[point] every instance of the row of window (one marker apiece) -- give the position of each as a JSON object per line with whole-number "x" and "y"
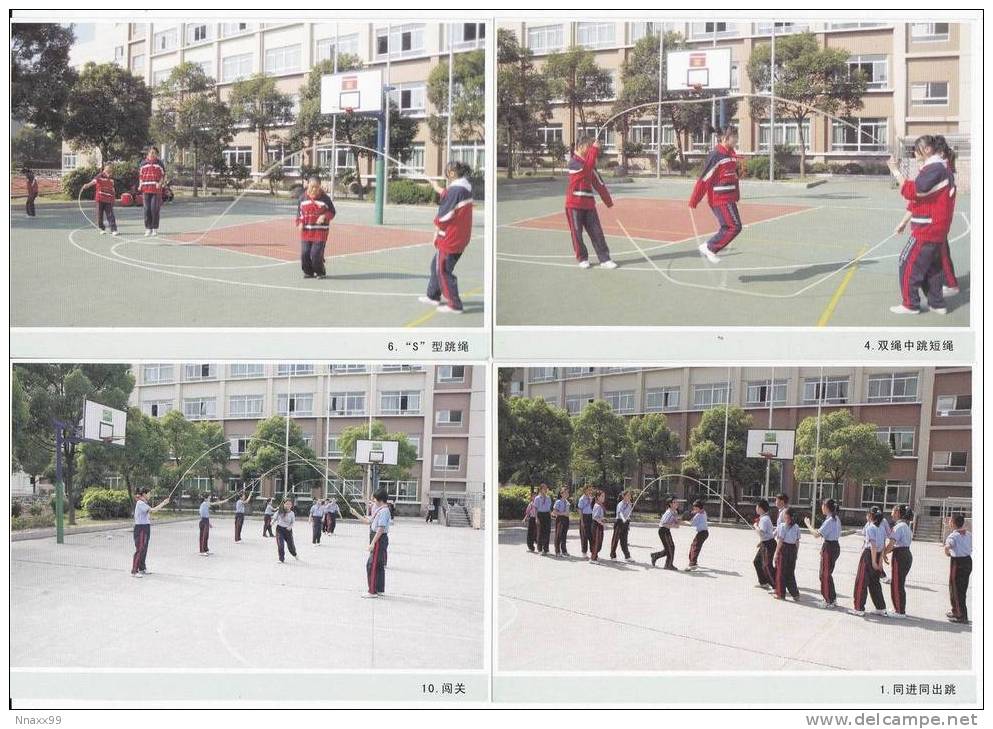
{"x": 157, "y": 374}
{"x": 400, "y": 492}
{"x": 413, "y": 162}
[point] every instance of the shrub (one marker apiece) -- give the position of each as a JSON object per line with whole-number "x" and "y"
{"x": 478, "y": 181}
{"x": 18, "y": 523}
{"x": 15, "y": 509}
{"x": 36, "y": 509}
{"x": 410, "y": 192}
{"x": 758, "y": 167}
{"x": 106, "y": 503}
{"x": 125, "y": 177}
{"x": 818, "y": 168}
{"x": 513, "y": 500}
{"x": 846, "y": 168}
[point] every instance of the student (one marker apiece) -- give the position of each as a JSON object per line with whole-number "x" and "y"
{"x": 585, "y": 508}
{"x": 453, "y": 231}
{"x": 560, "y": 512}
{"x": 315, "y": 211}
{"x": 958, "y": 547}
{"x": 951, "y": 281}
{"x": 267, "y": 519}
{"x": 429, "y": 513}
{"x": 870, "y": 565}
{"x": 239, "y": 516}
{"x": 284, "y": 531}
{"x": 142, "y": 531}
{"x": 766, "y": 552}
{"x": 580, "y": 205}
{"x": 830, "y": 532}
{"x": 719, "y": 182}
{"x": 151, "y": 175}
{"x": 782, "y": 504}
{"x": 898, "y": 544}
{"x": 31, "y": 183}
{"x": 531, "y": 519}
{"x": 669, "y": 521}
{"x": 205, "y": 525}
{"x": 784, "y": 560}
{"x": 379, "y": 542}
{"x": 332, "y": 514}
{"x": 599, "y": 518}
{"x": 105, "y": 197}
{"x": 316, "y": 519}
{"x": 622, "y": 523}
{"x": 699, "y": 522}
{"x": 931, "y": 208}
{"x": 543, "y": 508}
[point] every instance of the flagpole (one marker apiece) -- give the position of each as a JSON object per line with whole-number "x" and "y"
{"x": 724, "y": 455}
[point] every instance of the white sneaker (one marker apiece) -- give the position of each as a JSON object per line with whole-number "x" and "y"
{"x": 148, "y": 232}
{"x": 137, "y": 574}
{"x": 898, "y": 616}
{"x": 949, "y": 290}
{"x": 154, "y": 233}
{"x": 824, "y": 605}
{"x": 115, "y": 234}
{"x": 901, "y": 309}
{"x": 296, "y": 558}
{"x": 446, "y": 309}
{"x": 608, "y": 264}
{"x": 370, "y": 595}
{"x": 691, "y": 568}
{"x": 881, "y": 613}
{"x": 858, "y": 613}
{"x": 428, "y": 300}
{"x": 103, "y": 232}
{"x": 584, "y": 264}
{"x": 708, "y": 254}
{"x": 939, "y": 310}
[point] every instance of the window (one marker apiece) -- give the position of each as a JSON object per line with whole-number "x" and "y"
{"x": 207, "y": 67}
{"x": 415, "y": 441}
{"x": 285, "y": 59}
{"x": 592, "y": 130}
{"x": 709, "y": 395}
{"x": 900, "y": 439}
{"x": 644, "y": 132}
{"x": 69, "y": 160}
{"x": 832, "y": 390}
{"x": 551, "y": 401}
{"x": 825, "y": 490}
{"x": 197, "y": 33}
{"x": 710, "y": 30}
{"x": 574, "y": 404}
{"x": 470, "y": 153}
{"x": 400, "y": 41}
{"x": 897, "y": 387}
{"x": 165, "y": 40}
{"x": 400, "y": 402}
{"x": 758, "y": 393}
{"x": 929, "y": 32}
{"x": 661, "y": 398}
{"x": 885, "y": 495}
{"x": 156, "y": 373}
{"x": 348, "y": 369}
{"x": 853, "y": 26}
{"x": 780, "y": 28}
{"x": 239, "y": 444}
{"x": 333, "y": 447}
{"x": 246, "y": 370}
{"x": 235, "y": 68}
{"x": 200, "y": 408}
{"x": 550, "y": 135}
{"x": 245, "y": 406}
{"x": 198, "y": 484}
{"x": 447, "y": 462}
{"x": 238, "y": 156}
{"x": 954, "y": 406}
{"x": 400, "y": 368}
{"x": 735, "y": 76}
{"x": 295, "y": 370}
{"x": 787, "y": 132}
{"x": 301, "y": 404}
{"x": 283, "y": 154}
{"x": 572, "y": 372}
{"x": 545, "y": 38}
{"x": 541, "y": 374}
{"x": 327, "y": 160}
{"x": 138, "y": 64}
{"x": 468, "y": 35}
{"x": 516, "y": 388}
{"x": 401, "y": 492}
{"x": 955, "y": 461}
{"x": 159, "y": 76}
{"x": 346, "y": 44}
{"x": 156, "y": 408}
{"x": 595, "y": 35}
{"x": 235, "y": 484}
{"x": 874, "y": 67}
{"x": 930, "y": 93}
{"x": 451, "y": 373}
{"x": 118, "y": 54}
{"x": 413, "y": 161}
{"x": 859, "y": 135}
{"x": 346, "y": 403}
{"x": 620, "y": 401}
{"x": 198, "y": 371}
{"x": 448, "y": 417}
{"x": 230, "y": 29}
{"x": 637, "y": 31}
{"x": 138, "y": 31}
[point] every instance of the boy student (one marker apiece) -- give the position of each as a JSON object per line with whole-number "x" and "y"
{"x": 787, "y": 547}
{"x": 958, "y": 547}
{"x": 719, "y": 182}
{"x": 585, "y": 508}
{"x": 204, "y": 525}
{"x": 332, "y": 515}
{"x": 669, "y": 520}
{"x": 105, "y": 196}
{"x": 560, "y": 512}
{"x": 782, "y": 504}
{"x": 699, "y": 522}
{"x": 315, "y": 211}
{"x": 142, "y": 531}
{"x": 151, "y": 177}
{"x": 316, "y": 520}
{"x": 765, "y": 554}
{"x": 580, "y": 204}
{"x": 453, "y": 231}
{"x": 543, "y": 508}
{"x": 622, "y": 523}
{"x": 267, "y": 519}
{"x": 379, "y": 527}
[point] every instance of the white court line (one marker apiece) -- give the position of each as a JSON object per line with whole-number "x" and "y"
{"x": 624, "y": 267}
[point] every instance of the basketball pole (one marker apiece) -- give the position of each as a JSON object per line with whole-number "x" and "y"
{"x": 772, "y": 397}
{"x": 59, "y": 484}
{"x": 772, "y": 106}
{"x": 381, "y": 164}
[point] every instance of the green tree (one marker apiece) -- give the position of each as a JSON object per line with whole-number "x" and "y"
{"x": 267, "y": 452}
{"x": 40, "y": 74}
{"x": 34, "y": 147}
{"x": 406, "y": 452}
{"x": 310, "y": 124}
{"x": 109, "y": 109}
{"x": 849, "y": 451}
{"x": 259, "y": 105}
{"x": 196, "y": 448}
{"x": 706, "y": 455}
{"x": 575, "y": 77}
{"x": 535, "y": 439}
{"x": 655, "y": 447}
{"x": 523, "y": 100}
{"x": 808, "y": 77}
{"x": 29, "y": 451}
{"x": 601, "y": 447}
{"x": 468, "y": 102}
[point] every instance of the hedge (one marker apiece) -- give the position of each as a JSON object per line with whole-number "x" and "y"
{"x": 759, "y": 167}
{"x": 106, "y": 503}
{"x": 410, "y": 192}
{"x": 125, "y": 179}
{"x": 512, "y": 501}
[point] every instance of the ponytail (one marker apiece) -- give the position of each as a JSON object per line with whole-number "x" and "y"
{"x": 832, "y": 506}
{"x": 943, "y": 150}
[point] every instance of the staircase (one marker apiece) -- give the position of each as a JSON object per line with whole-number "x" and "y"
{"x": 457, "y": 515}
{"x": 931, "y": 521}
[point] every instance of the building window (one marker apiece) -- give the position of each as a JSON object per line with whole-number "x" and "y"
{"x": 138, "y": 64}
{"x": 541, "y": 374}
{"x": 955, "y": 461}
{"x": 156, "y": 408}
{"x": 415, "y": 442}
{"x": 825, "y": 490}
{"x": 238, "y": 156}
{"x": 545, "y": 38}
{"x": 573, "y": 372}
{"x": 896, "y": 387}
{"x": 235, "y": 68}
{"x": 296, "y": 370}
{"x": 596, "y": 35}
{"x": 193, "y": 372}
{"x": 900, "y": 439}
{"x": 346, "y": 403}
{"x": 875, "y": 68}
{"x": 348, "y": 369}
{"x": 853, "y": 26}
{"x": 246, "y": 370}
{"x": 621, "y": 401}
{"x": 574, "y": 404}
{"x": 859, "y": 135}
{"x": 735, "y": 76}
{"x": 592, "y": 130}
{"x": 400, "y": 368}
{"x": 138, "y": 31}
{"x": 710, "y": 30}
{"x": 200, "y": 408}
{"x": 118, "y": 54}
{"x": 830, "y": 390}
{"x": 954, "y": 406}
{"x": 661, "y": 398}
{"x": 69, "y": 160}
{"x": 468, "y": 35}
{"x": 929, "y": 32}
{"x": 347, "y": 44}
{"x": 245, "y": 406}
{"x": 447, "y": 462}
{"x": 470, "y": 153}
{"x": 285, "y": 59}
{"x": 230, "y": 29}
{"x": 637, "y": 31}
{"x": 886, "y": 495}
{"x": 758, "y": 393}
{"x": 198, "y": 484}
{"x": 333, "y": 447}
{"x": 710, "y": 395}
{"x": 165, "y": 40}
{"x": 400, "y": 41}
{"x": 787, "y": 132}
{"x": 551, "y": 401}
{"x": 207, "y": 67}
{"x": 451, "y": 373}
{"x": 780, "y": 28}
{"x": 154, "y": 374}
{"x": 283, "y": 155}
{"x": 412, "y": 162}
{"x": 239, "y": 444}
{"x": 401, "y": 492}
{"x": 550, "y": 135}
{"x": 448, "y": 417}
{"x": 197, "y": 33}
{"x": 930, "y": 93}
{"x": 327, "y": 160}
{"x": 297, "y": 404}
{"x": 159, "y": 77}
{"x": 400, "y": 402}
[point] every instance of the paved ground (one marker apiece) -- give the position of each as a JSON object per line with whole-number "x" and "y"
{"x": 77, "y": 605}
{"x": 632, "y": 617}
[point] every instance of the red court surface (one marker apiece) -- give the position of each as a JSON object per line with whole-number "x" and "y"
{"x": 660, "y": 220}
{"x": 46, "y": 185}
{"x": 278, "y": 238}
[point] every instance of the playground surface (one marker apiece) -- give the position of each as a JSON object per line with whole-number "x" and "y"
{"x": 76, "y": 605}
{"x": 231, "y": 263}
{"x": 629, "y": 616}
{"x": 825, "y": 255}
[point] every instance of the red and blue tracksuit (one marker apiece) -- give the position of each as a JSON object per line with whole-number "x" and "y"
{"x": 151, "y": 180}
{"x": 931, "y": 202}
{"x": 105, "y": 195}
{"x": 314, "y": 216}
{"x": 580, "y": 204}
{"x": 453, "y": 230}
{"x": 719, "y": 182}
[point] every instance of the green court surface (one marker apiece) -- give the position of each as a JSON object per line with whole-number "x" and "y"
{"x": 218, "y": 263}
{"x": 825, "y": 255}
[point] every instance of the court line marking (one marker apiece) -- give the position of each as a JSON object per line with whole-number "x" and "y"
{"x": 838, "y": 293}
{"x": 434, "y": 311}
{"x": 784, "y": 267}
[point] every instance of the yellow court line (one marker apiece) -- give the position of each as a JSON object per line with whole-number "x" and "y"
{"x": 840, "y": 291}
{"x": 434, "y": 311}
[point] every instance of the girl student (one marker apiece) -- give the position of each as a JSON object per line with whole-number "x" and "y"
{"x": 453, "y": 231}
{"x": 622, "y": 523}
{"x": 766, "y": 552}
{"x": 543, "y": 509}
{"x": 267, "y": 519}
{"x": 719, "y": 182}
{"x": 669, "y": 521}
{"x": 332, "y": 515}
{"x": 560, "y": 512}
{"x": 31, "y": 184}
{"x": 599, "y": 522}
{"x": 239, "y": 515}
{"x": 142, "y": 531}
{"x": 379, "y": 519}
{"x": 699, "y": 522}
{"x": 284, "y": 531}
{"x": 105, "y": 196}
{"x": 898, "y": 544}
{"x": 580, "y": 204}
{"x": 931, "y": 207}
{"x": 787, "y": 548}
{"x": 958, "y": 547}
{"x": 585, "y": 508}
{"x": 316, "y": 521}
{"x": 830, "y": 532}
{"x": 870, "y": 565}
{"x": 151, "y": 182}
{"x": 531, "y": 519}
{"x": 315, "y": 211}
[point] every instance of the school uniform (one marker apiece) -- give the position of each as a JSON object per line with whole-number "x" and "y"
{"x": 314, "y": 216}
{"x": 766, "y": 551}
{"x": 453, "y": 231}
{"x": 719, "y": 182}
{"x": 531, "y": 519}
{"x": 668, "y": 522}
{"x": 887, "y": 530}
{"x": 376, "y": 564}
{"x": 596, "y": 539}
{"x": 105, "y": 195}
{"x": 151, "y": 180}
{"x": 580, "y": 205}
{"x": 959, "y": 544}
{"x": 901, "y": 560}
{"x": 543, "y": 508}
{"x": 789, "y": 536}
{"x": 561, "y": 526}
{"x": 204, "y": 527}
{"x": 239, "y": 518}
{"x": 316, "y": 519}
{"x": 142, "y": 533}
{"x": 830, "y": 531}
{"x": 699, "y": 522}
{"x": 284, "y": 533}
{"x": 585, "y": 508}
{"x": 32, "y": 185}
{"x": 332, "y": 516}
{"x": 622, "y": 523}
{"x": 267, "y": 521}
{"x": 931, "y": 203}
{"x": 867, "y": 577}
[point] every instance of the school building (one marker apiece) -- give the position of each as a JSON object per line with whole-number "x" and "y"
{"x": 286, "y": 51}
{"x": 440, "y": 408}
{"x": 923, "y": 413}
{"x": 919, "y": 81}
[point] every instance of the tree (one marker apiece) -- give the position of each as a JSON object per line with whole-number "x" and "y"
{"x": 40, "y": 74}
{"x": 266, "y": 453}
{"x": 809, "y": 79}
{"x": 849, "y": 450}
{"x": 655, "y": 446}
{"x": 601, "y": 448}
{"x": 706, "y": 455}
{"x": 27, "y": 454}
{"x": 575, "y": 77}
{"x": 523, "y": 99}
{"x": 109, "y": 108}
{"x": 310, "y": 124}
{"x": 534, "y": 442}
{"x": 33, "y": 147}
{"x": 196, "y": 448}
{"x": 56, "y": 392}
{"x": 406, "y": 452}
{"x": 468, "y": 102}
{"x": 259, "y": 105}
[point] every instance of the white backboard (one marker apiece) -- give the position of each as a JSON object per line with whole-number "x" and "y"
{"x": 706, "y": 67}
{"x": 776, "y": 443}
{"x": 360, "y": 91}
{"x": 384, "y": 452}
{"x": 104, "y": 424}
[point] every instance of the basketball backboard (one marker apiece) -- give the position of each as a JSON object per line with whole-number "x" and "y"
{"x": 382, "y": 452}
{"x": 777, "y": 444}
{"x": 359, "y": 92}
{"x": 706, "y": 68}
{"x": 103, "y": 424}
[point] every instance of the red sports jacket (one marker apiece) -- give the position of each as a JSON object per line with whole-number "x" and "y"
{"x": 453, "y": 223}
{"x": 309, "y": 211}
{"x": 583, "y": 180}
{"x": 105, "y": 192}
{"x": 719, "y": 179}
{"x": 931, "y": 201}
{"x": 151, "y": 175}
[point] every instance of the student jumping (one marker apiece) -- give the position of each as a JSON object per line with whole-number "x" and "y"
{"x": 870, "y": 565}
{"x": 787, "y": 548}
{"x": 699, "y": 522}
{"x": 669, "y": 521}
{"x": 105, "y": 196}
{"x": 151, "y": 177}
{"x": 766, "y": 552}
{"x": 585, "y": 508}
{"x": 315, "y": 211}
{"x": 898, "y": 544}
{"x": 543, "y": 508}
{"x": 599, "y": 519}
{"x": 830, "y": 532}
{"x": 453, "y": 231}
{"x": 267, "y": 519}
{"x": 958, "y": 548}
{"x": 580, "y": 204}
{"x": 284, "y": 531}
{"x": 560, "y": 513}
{"x": 719, "y": 182}
{"x": 622, "y": 524}
{"x": 379, "y": 520}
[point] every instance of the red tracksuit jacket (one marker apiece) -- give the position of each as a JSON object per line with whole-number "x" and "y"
{"x": 453, "y": 222}
{"x": 719, "y": 180}
{"x": 105, "y": 192}
{"x": 308, "y": 211}
{"x": 151, "y": 175}
{"x": 931, "y": 201}
{"x": 583, "y": 180}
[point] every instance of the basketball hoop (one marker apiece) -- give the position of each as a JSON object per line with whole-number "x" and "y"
{"x": 697, "y": 88}
{"x": 349, "y": 111}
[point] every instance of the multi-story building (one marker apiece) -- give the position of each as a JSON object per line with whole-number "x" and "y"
{"x": 440, "y": 408}
{"x": 286, "y": 51}
{"x": 919, "y": 81}
{"x": 923, "y": 413}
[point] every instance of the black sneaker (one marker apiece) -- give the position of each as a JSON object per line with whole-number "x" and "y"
{"x": 654, "y": 559}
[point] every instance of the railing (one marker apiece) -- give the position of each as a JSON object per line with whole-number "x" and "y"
{"x": 928, "y": 525}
